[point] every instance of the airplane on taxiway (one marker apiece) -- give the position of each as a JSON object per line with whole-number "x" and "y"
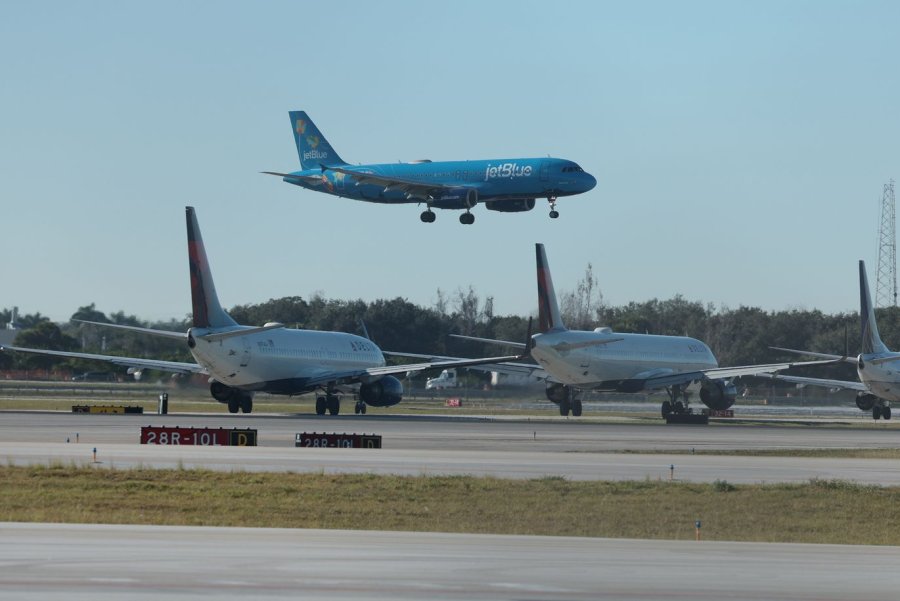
{"x": 878, "y": 368}
{"x": 573, "y": 361}
{"x": 242, "y": 360}
{"x": 505, "y": 185}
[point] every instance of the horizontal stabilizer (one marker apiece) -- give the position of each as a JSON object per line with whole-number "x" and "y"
{"x": 235, "y": 333}
{"x": 150, "y": 331}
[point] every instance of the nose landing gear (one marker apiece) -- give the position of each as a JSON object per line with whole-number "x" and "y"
{"x": 553, "y": 212}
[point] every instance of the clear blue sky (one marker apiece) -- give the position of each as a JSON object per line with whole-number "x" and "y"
{"x": 740, "y": 148}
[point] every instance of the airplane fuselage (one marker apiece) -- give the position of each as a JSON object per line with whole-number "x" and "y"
{"x": 282, "y": 361}
{"x": 631, "y": 359}
{"x": 882, "y": 379}
{"x": 493, "y": 180}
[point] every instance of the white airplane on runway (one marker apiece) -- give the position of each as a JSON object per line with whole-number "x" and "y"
{"x": 604, "y": 360}
{"x": 242, "y": 360}
{"x": 877, "y": 366}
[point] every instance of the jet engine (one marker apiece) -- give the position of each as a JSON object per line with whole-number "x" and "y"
{"x": 717, "y": 394}
{"x": 866, "y": 401}
{"x": 456, "y": 198}
{"x": 382, "y": 393}
{"x": 221, "y": 392}
{"x": 510, "y": 206}
{"x": 557, "y": 393}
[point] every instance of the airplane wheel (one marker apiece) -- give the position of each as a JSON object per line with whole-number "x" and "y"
{"x": 234, "y": 405}
{"x": 427, "y": 217}
{"x": 576, "y": 409}
{"x": 247, "y": 404}
{"x": 876, "y": 412}
{"x": 564, "y": 408}
{"x": 334, "y": 405}
{"x": 678, "y": 407}
{"x": 362, "y": 408}
{"x": 320, "y": 405}
{"x": 666, "y": 408}
{"x": 886, "y": 412}
{"x": 554, "y": 214}
{"x": 467, "y": 218}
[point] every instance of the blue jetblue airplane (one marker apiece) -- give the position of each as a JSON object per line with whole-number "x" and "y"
{"x": 505, "y": 185}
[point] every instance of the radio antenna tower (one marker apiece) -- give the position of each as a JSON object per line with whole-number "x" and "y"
{"x": 886, "y": 285}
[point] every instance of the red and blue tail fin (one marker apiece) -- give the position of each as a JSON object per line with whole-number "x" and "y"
{"x": 871, "y": 341}
{"x": 208, "y": 313}
{"x": 549, "y": 319}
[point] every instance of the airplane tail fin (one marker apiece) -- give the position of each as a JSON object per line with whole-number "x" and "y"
{"x": 313, "y": 148}
{"x": 548, "y": 309}
{"x": 208, "y": 313}
{"x": 871, "y": 341}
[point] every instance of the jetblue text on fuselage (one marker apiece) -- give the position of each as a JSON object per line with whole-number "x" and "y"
{"x": 510, "y": 170}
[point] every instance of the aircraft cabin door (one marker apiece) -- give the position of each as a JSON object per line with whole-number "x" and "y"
{"x": 545, "y": 171}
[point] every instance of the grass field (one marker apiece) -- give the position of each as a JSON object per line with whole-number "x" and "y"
{"x": 816, "y": 512}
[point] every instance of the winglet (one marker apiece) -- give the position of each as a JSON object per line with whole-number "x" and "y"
{"x": 208, "y": 313}
{"x": 548, "y": 309}
{"x": 871, "y": 341}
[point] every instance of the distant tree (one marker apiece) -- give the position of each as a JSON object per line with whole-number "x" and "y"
{"x": 581, "y": 308}
{"x": 44, "y": 335}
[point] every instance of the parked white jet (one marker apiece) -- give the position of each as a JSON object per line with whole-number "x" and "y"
{"x": 242, "y": 360}
{"x": 604, "y": 360}
{"x": 877, "y": 366}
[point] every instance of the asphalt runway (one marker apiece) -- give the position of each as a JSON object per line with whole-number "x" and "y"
{"x": 90, "y": 563}
{"x": 453, "y": 446}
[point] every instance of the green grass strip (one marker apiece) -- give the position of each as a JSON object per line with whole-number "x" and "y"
{"x": 815, "y": 512}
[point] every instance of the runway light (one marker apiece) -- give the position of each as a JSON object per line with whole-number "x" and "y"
{"x": 697, "y": 528}
{"x": 95, "y": 454}
{"x": 671, "y": 472}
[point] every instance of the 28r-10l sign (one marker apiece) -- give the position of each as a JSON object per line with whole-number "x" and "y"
{"x": 337, "y": 441}
{"x": 213, "y": 437}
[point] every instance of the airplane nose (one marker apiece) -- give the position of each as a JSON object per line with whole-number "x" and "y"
{"x": 590, "y": 182}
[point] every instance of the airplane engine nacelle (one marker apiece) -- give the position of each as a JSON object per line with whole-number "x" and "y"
{"x": 456, "y": 198}
{"x": 382, "y": 393}
{"x": 866, "y": 401}
{"x": 718, "y": 394}
{"x": 557, "y": 393}
{"x": 221, "y": 392}
{"x": 510, "y": 206}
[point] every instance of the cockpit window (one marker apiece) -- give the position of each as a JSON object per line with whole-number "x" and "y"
{"x": 573, "y": 169}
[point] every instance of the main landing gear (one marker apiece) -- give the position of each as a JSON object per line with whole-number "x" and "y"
{"x": 330, "y": 401}
{"x": 359, "y": 408}
{"x": 677, "y": 402}
{"x": 467, "y": 218}
{"x": 428, "y": 216}
{"x": 240, "y": 401}
{"x": 570, "y": 403}
{"x": 553, "y": 212}
{"x": 881, "y": 411}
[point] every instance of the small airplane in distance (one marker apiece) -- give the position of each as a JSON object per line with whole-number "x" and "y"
{"x": 574, "y": 361}
{"x": 877, "y": 366}
{"x": 505, "y": 185}
{"x": 243, "y": 360}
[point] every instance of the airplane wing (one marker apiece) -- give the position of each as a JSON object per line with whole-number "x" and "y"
{"x": 665, "y": 380}
{"x": 559, "y": 346}
{"x": 844, "y": 384}
{"x": 138, "y": 329}
{"x": 373, "y": 373}
{"x": 170, "y": 366}
{"x": 413, "y": 188}
{"x": 518, "y": 369}
{"x": 844, "y": 358}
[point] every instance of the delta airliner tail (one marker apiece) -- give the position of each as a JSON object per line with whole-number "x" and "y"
{"x": 312, "y": 147}
{"x": 871, "y": 341}
{"x": 208, "y": 313}
{"x": 549, "y": 319}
